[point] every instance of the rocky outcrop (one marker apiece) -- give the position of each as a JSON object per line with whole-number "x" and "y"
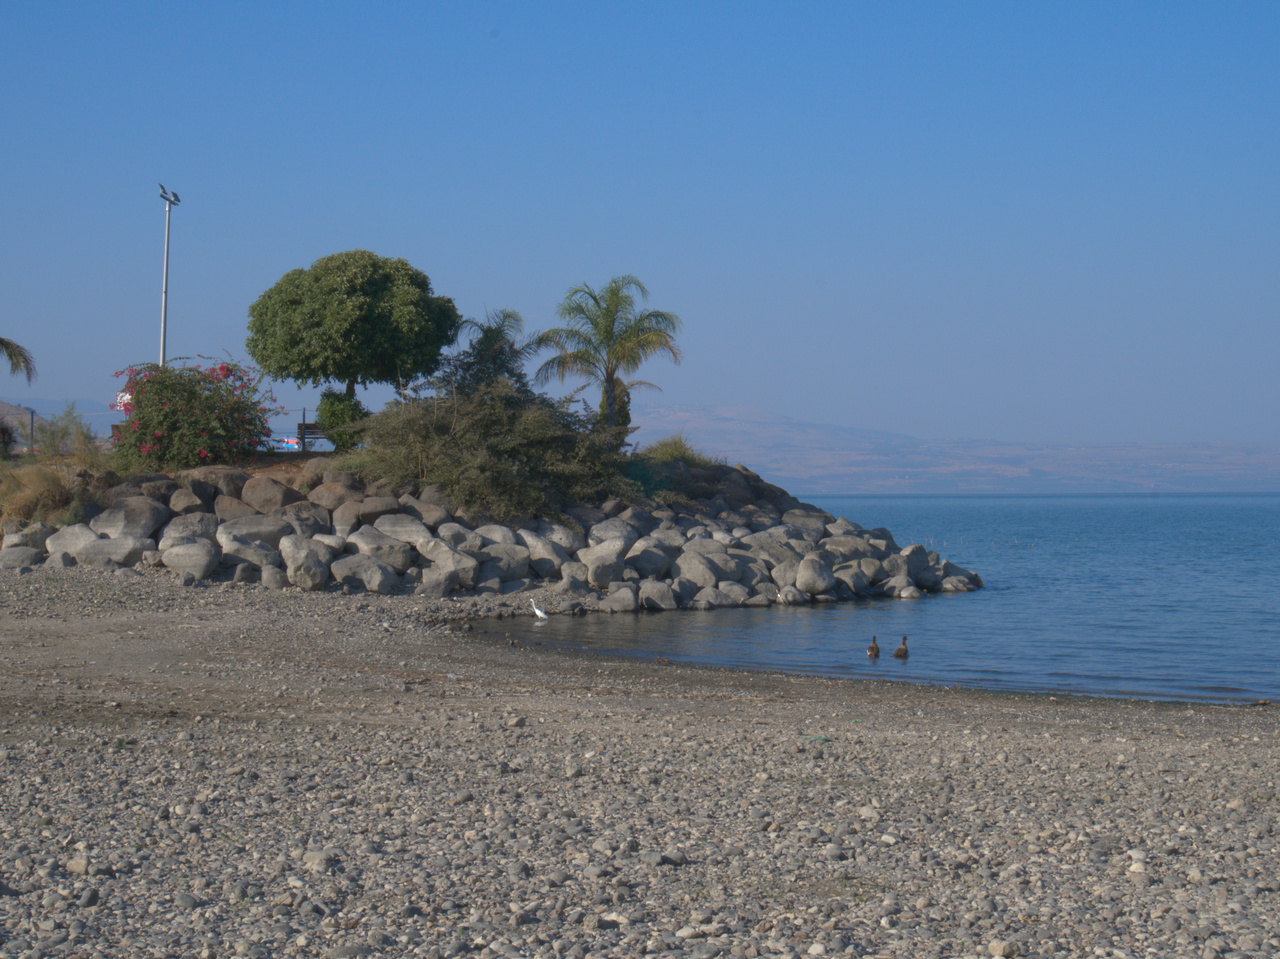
{"x": 743, "y": 542}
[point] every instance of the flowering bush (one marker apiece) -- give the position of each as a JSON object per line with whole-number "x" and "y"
{"x": 184, "y": 416}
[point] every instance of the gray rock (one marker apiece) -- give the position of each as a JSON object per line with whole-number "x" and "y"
{"x": 266, "y": 494}
{"x": 437, "y": 582}
{"x": 306, "y": 518}
{"x": 237, "y": 552}
{"x": 621, "y": 600}
{"x": 429, "y": 514}
{"x": 545, "y": 556}
{"x": 268, "y": 530}
{"x": 814, "y": 577}
{"x": 346, "y": 518}
{"x": 656, "y": 596}
{"x": 16, "y": 557}
{"x": 371, "y": 507}
{"x": 493, "y": 533}
{"x": 404, "y": 528}
{"x": 377, "y": 577}
{"x": 371, "y": 541}
{"x": 332, "y": 495}
{"x": 569, "y": 539}
{"x": 506, "y": 561}
{"x": 274, "y": 578}
{"x": 120, "y": 550}
{"x": 309, "y": 571}
{"x": 790, "y": 596}
{"x": 187, "y": 526}
{"x": 228, "y": 508}
{"x": 183, "y": 501}
{"x": 445, "y": 558}
{"x": 695, "y": 567}
{"x": 135, "y": 516}
{"x": 200, "y": 558}
{"x": 650, "y": 558}
{"x": 294, "y": 548}
{"x": 603, "y": 562}
{"x": 458, "y": 536}
{"x": 711, "y": 598}
{"x": 34, "y": 535}
{"x": 227, "y": 480}
{"x": 612, "y": 529}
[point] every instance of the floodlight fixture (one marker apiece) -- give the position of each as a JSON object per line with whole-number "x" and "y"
{"x": 170, "y": 201}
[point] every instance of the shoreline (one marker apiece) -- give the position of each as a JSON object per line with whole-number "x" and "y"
{"x": 237, "y": 772}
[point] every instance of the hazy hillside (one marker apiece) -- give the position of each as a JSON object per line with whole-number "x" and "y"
{"x": 827, "y": 458}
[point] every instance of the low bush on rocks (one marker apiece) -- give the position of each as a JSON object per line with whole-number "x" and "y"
{"x": 498, "y": 451}
{"x": 184, "y": 416}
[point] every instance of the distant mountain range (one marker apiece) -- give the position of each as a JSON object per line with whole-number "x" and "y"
{"x": 829, "y": 459}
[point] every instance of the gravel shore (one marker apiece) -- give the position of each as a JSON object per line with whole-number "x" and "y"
{"x": 221, "y": 770}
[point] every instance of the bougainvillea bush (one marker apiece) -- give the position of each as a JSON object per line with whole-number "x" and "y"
{"x": 184, "y": 416}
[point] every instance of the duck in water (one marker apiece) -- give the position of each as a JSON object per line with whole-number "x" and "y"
{"x": 901, "y": 651}
{"x": 873, "y": 651}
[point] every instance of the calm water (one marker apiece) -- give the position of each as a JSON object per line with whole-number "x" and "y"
{"x": 1152, "y": 596}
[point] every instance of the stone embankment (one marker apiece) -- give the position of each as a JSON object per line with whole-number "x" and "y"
{"x": 747, "y": 543}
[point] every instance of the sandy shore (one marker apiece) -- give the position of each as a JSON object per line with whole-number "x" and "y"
{"x": 221, "y": 770}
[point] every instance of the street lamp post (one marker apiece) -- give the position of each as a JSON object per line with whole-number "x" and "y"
{"x": 170, "y": 201}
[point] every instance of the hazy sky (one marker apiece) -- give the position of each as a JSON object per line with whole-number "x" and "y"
{"x": 1024, "y": 221}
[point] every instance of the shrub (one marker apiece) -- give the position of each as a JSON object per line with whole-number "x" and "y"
{"x": 67, "y": 435}
{"x": 33, "y": 493}
{"x": 496, "y": 451}
{"x": 676, "y": 449}
{"x": 336, "y": 413}
{"x": 184, "y": 416}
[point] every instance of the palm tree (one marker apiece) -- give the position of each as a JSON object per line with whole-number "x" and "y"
{"x": 606, "y": 337}
{"x": 19, "y": 358}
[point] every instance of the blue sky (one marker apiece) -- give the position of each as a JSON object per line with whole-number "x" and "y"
{"x": 1049, "y": 223}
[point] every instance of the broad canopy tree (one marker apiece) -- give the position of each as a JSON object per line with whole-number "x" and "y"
{"x": 351, "y": 318}
{"x": 606, "y": 337}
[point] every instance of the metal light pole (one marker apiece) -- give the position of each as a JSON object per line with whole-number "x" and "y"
{"x": 170, "y": 201}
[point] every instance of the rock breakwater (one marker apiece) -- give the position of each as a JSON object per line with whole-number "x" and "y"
{"x": 744, "y": 543}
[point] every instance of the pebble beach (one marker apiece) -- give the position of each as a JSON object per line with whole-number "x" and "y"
{"x": 222, "y": 770}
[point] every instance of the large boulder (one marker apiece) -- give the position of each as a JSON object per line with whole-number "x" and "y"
{"x": 504, "y": 561}
{"x": 621, "y": 600}
{"x": 459, "y": 537}
{"x": 429, "y": 514}
{"x": 371, "y": 507}
{"x": 545, "y": 556}
{"x": 650, "y": 558}
{"x": 200, "y": 558}
{"x": 656, "y": 596}
{"x": 611, "y": 529}
{"x": 376, "y": 577}
{"x": 184, "y": 501}
{"x": 257, "y": 528}
{"x": 309, "y": 572}
{"x": 294, "y": 548}
{"x": 237, "y": 552}
{"x": 814, "y": 577}
{"x": 371, "y": 541}
{"x": 228, "y": 508}
{"x": 114, "y": 551}
{"x": 445, "y": 558}
{"x": 695, "y": 568}
{"x": 306, "y": 518}
{"x": 603, "y": 562}
{"x": 493, "y": 533}
{"x": 569, "y": 539}
{"x": 137, "y": 516}
{"x": 266, "y": 494}
{"x": 227, "y": 480}
{"x": 333, "y": 495}
{"x": 346, "y": 518}
{"x": 404, "y": 528}
{"x": 16, "y": 557}
{"x": 69, "y": 539}
{"x": 34, "y": 535}
{"x": 188, "y": 526}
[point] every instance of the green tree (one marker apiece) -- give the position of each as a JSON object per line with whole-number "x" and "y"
{"x": 351, "y": 318}
{"x": 19, "y": 358}
{"x": 605, "y": 336}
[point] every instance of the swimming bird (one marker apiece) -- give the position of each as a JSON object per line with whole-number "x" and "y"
{"x": 873, "y": 651}
{"x": 901, "y": 651}
{"x": 537, "y": 612}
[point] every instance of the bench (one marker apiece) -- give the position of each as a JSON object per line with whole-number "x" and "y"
{"x": 308, "y": 431}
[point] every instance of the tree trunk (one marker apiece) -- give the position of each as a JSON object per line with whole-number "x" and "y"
{"x": 610, "y": 403}
{"x": 351, "y": 388}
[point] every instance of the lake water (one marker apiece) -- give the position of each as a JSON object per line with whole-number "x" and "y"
{"x": 1163, "y": 597}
